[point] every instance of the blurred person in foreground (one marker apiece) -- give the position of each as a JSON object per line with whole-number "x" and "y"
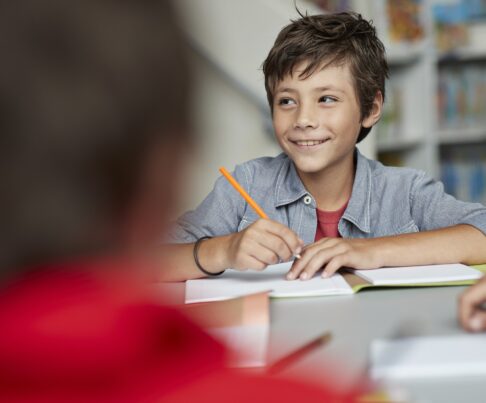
{"x": 93, "y": 133}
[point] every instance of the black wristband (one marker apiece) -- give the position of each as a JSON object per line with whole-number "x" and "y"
{"x": 196, "y": 259}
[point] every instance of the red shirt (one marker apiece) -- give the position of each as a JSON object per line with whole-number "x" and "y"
{"x": 327, "y": 223}
{"x": 68, "y": 335}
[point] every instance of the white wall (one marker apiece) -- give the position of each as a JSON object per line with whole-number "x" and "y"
{"x": 230, "y": 129}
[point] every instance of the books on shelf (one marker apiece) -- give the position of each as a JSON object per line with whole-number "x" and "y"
{"x": 463, "y": 173}
{"x": 450, "y": 20}
{"x": 459, "y": 26}
{"x": 405, "y": 20}
{"x": 436, "y": 94}
{"x": 389, "y": 128}
{"x": 333, "y": 6}
{"x": 461, "y": 96}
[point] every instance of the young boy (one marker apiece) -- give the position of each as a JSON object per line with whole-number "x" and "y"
{"x": 325, "y": 82}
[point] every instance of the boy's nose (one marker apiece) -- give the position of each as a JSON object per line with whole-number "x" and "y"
{"x": 305, "y": 119}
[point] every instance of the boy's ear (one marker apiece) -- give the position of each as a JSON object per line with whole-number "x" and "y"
{"x": 376, "y": 110}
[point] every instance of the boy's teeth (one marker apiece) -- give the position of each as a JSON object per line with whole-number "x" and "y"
{"x": 309, "y": 142}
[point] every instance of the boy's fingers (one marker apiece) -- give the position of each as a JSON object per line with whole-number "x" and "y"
{"x": 317, "y": 261}
{"x": 277, "y": 245}
{"x": 252, "y": 255}
{"x": 294, "y": 243}
{"x": 254, "y": 264}
{"x": 248, "y": 262}
{"x": 307, "y": 256}
{"x": 257, "y": 236}
{"x": 263, "y": 254}
{"x": 334, "y": 265}
{"x": 300, "y": 264}
{"x": 320, "y": 259}
{"x": 322, "y": 243}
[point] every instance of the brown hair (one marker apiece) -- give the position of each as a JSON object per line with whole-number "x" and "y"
{"x": 87, "y": 88}
{"x": 330, "y": 39}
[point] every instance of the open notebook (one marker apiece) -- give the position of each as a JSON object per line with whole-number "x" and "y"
{"x": 233, "y": 283}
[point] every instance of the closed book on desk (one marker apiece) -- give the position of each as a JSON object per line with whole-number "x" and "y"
{"x": 234, "y": 283}
{"x": 419, "y": 275}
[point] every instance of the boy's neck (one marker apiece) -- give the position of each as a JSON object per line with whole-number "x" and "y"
{"x": 332, "y": 187}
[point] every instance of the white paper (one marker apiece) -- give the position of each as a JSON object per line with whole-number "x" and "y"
{"x": 235, "y": 283}
{"x": 419, "y": 274}
{"x": 427, "y": 357}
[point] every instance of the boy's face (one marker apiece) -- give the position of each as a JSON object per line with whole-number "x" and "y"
{"x": 317, "y": 120}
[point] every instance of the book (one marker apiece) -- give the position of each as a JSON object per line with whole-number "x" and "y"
{"x": 428, "y": 357}
{"x": 235, "y": 283}
{"x": 405, "y": 20}
{"x": 419, "y": 274}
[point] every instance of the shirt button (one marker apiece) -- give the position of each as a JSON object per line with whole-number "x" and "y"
{"x": 307, "y": 199}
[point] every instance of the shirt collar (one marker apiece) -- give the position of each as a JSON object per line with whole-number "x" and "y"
{"x": 289, "y": 188}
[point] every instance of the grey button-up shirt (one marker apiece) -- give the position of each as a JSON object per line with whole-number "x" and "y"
{"x": 384, "y": 201}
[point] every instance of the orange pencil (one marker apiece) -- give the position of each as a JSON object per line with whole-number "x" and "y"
{"x": 246, "y": 196}
{"x": 242, "y": 192}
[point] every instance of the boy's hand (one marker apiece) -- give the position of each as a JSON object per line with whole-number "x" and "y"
{"x": 472, "y": 314}
{"x": 262, "y": 243}
{"x": 332, "y": 254}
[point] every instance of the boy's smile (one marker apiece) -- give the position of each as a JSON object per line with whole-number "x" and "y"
{"x": 317, "y": 120}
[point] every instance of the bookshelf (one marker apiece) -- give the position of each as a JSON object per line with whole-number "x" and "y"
{"x": 435, "y": 110}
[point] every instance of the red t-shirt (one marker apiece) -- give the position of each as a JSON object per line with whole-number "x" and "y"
{"x": 327, "y": 223}
{"x": 69, "y": 334}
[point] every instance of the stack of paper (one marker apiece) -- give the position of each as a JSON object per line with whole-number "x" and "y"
{"x": 421, "y": 357}
{"x": 442, "y": 273}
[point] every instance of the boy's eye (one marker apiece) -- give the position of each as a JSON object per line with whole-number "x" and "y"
{"x": 327, "y": 99}
{"x": 286, "y": 101}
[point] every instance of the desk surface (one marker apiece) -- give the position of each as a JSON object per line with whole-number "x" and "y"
{"x": 356, "y": 320}
{"x": 376, "y": 313}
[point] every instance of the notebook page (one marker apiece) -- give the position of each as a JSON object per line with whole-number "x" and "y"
{"x": 419, "y": 274}
{"x": 234, "y": 283}
{"x": 419, "y": 357}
